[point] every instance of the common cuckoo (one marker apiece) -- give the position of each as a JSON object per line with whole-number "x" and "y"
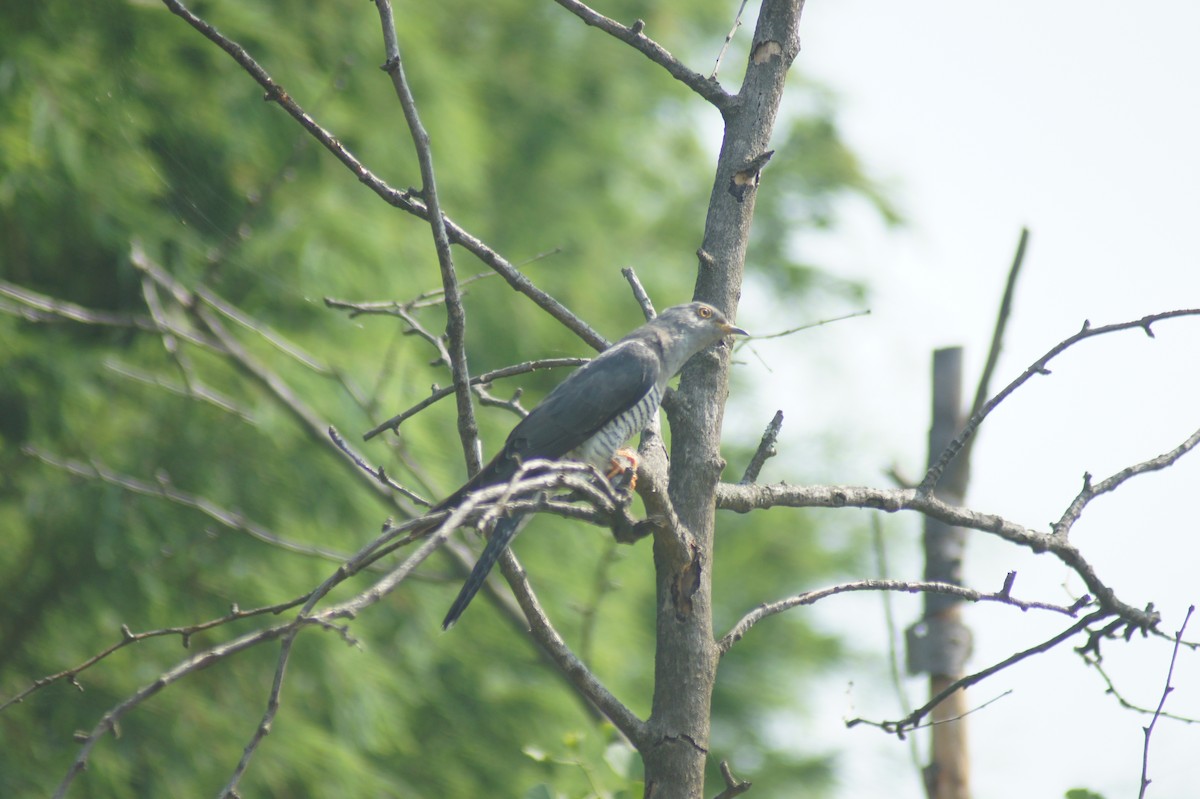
{"x": 589, "y": 415}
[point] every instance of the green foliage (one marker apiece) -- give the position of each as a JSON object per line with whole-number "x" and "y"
{"x": 121, "y": 125}
{"x": 1082, "y": 793}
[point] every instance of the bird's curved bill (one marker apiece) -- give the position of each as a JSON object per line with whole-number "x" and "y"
{"x": 732, "y": 330}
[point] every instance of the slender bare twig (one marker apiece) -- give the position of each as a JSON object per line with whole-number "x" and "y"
{"x": 456, "y": 317}
{"x": 489, "y": 399}
{"x": 128, "y": 637}
{"x": 403, "y": 200}
{"x": 910, "y": 722}
{"x": 1089, "y": 491}
{"x": 1038, "y": 367}
{"x": 425, "y": 299}
{"x": 486, "y": 377}
{"x": 108, "y": 722}
{"x": 306, "y": 416}
{"x": 193, "y": 390}
{"x": 708, "y": 88}
{"x": 352, "y": 607}
{"x": 639, "y": 292}
{"x": 169, "y": 341}
{"x": 1006, "y": 304}
{"x": 378, "y": 473}
{"x": 234, "y": 520}
{"x": 733, "y": 786}
{"x": 737, "y": 23}
{"x": 766, "y": 449}
{"x": 767, "y": 609}
{"x": 1112, "y": 690}
{"x": 272, "y": 337}
{"x": 810, "y": 325}
{"x": 886, "y": 725}
{"x": 745, "y": 498}
{"x": 61, "y": 309}
{"x": 568, "y": 662}
{"x": 879, "y": 549}
{"x": 1167, "y": 689}
{"x": 602, "y": 587}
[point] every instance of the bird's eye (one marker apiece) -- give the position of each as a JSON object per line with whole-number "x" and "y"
{"x": 704, "y": 312}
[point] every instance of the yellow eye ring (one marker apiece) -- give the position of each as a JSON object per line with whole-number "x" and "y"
{"x": 704, "y": 312}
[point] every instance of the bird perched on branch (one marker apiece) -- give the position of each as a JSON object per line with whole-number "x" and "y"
{"x": 592, "y": 413}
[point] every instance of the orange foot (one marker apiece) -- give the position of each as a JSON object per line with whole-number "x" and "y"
{"x": 624, "y": 461}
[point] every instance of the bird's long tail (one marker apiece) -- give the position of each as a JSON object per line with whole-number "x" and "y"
{"x": 502, "y": 536}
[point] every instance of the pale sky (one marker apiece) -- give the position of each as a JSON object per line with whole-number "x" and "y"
{"x": 1081, "y": 121}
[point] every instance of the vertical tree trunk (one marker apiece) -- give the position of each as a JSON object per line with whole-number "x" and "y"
{"x": 686, "y": 656}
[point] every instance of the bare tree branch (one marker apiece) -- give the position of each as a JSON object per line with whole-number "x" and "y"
{"x": 483, "y": 379}
{"x": 1039, "y": 368}
{"x": 108, "y": 721}
{"x": 456, "y": 317}
{"x": 45, "y": 308}
{"x": 378, "y": 473}
{"x": 639, "y": 293}
{"x": 1167, "y": 689}
{"x": 129, "y": 637}
{"x": 768, "y": 609}
{"x": 766, "y": 449}
{"x": 744, "y": 498}
{"x": 910, "y": 722}
{"x": 192, "y": 390}
{"x": 1111, "y": 689}
{"x": 1089, "y": 492}
{"x": 809, "y": 325}
{"x": 163, "y": 489}
{"x": 1006, "y": 304}
{"x": 404, "y": 200}
{"x": 737, "y": 23}
{"x": 733, "y": 786}
{"x": 708, "y": 88}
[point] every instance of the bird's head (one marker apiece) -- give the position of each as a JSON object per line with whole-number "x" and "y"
{"x": 692, "y": 328}
{"x": 698, "y": 320}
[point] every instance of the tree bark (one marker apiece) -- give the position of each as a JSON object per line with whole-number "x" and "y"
{"x": 686, "y": 652}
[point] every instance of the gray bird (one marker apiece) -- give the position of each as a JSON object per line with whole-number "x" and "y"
{"x": 594, "y": 411}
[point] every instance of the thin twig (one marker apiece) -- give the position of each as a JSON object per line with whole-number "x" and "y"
{"x": 193, "y": 390}
{"x": 1038, "y": 367}
{"x": 737, "y": 23}
{"x": 128, "y": 637}
{"x": 745, "y": 498}
{"x": 733, "y": 786}
{"x": 272, "y": 337}
{"x": 910, "y": 722}
{"x": 234, "y": 520}
{"x": 486, "y": 377}
{"x": 60, "y": 309}
{"x": 810, "y": 325}
{"x": 1111, "y": 689}
{"x": 886, "y": 726}
{"x": 879, "y": 548}
{"x": 108, "y": 722}
{"x": 456, "y": 317}
{"x": 1167, "y": 689}
{"x": 633, "y": 35}
{"x": 377, "y": 472}
{"x": 1090, "y": 491}
{"x": 766, "y": 449}
{"x": 1006, "y": 304}
{"x": 404, "y": 200}
{"x": 767, "y": 609}
{"x": 639, "y": 292}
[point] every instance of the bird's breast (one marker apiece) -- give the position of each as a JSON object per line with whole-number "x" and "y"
{"x": 598, "y": 450}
